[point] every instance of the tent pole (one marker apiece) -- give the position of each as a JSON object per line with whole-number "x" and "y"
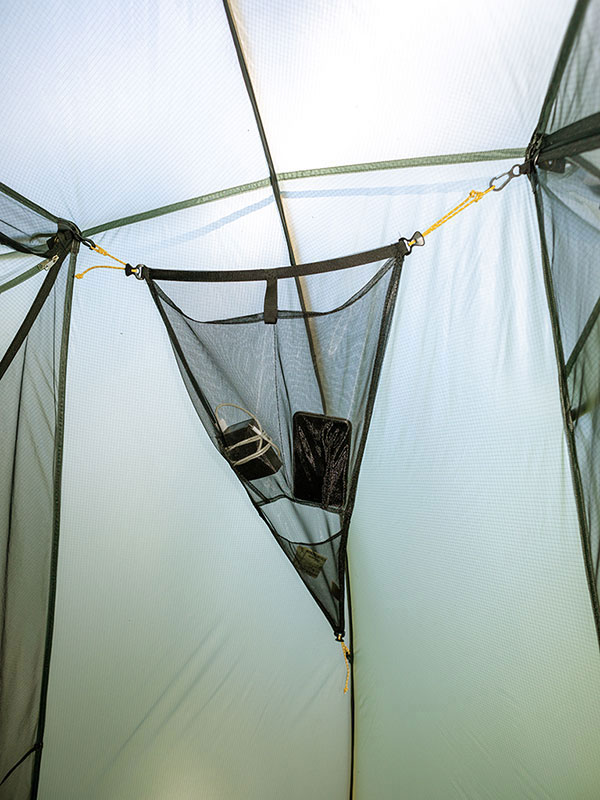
{"x": 352, "y": 701}
{"x": 275, "y": 188}
{"x": 58, "y": 462}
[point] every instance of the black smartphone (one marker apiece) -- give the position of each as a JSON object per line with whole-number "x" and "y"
{"x": 321, "y": 459}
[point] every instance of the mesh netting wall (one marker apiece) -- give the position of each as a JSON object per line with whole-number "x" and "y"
{"x": 30, "y": 425}
{"x": 304, "y": 387}
{"x": 571, "y": 210}
{"x": 22, "y": 227}
{"x": 567, "y": 186}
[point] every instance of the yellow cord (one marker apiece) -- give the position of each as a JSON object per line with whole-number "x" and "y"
{"x": 104, "y": 252}
{"x": 98, "y": 266}
{"x": 346, "y": 653}
{"x": 473, "y": 197}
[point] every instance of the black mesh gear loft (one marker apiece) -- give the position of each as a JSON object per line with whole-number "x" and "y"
{"x": 289, "y": 414}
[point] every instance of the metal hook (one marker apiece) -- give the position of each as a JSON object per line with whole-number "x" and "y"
{"x": 513, "y": 172}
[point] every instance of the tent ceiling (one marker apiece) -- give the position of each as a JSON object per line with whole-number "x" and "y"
{"x": 142, "y": 104}
{"x": 345, "y": 82}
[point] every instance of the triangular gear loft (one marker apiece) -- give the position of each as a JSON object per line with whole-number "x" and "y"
{"x": 287, "y": 397}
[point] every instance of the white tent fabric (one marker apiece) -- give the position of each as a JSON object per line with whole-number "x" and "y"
{"x": 142, "y": 104}
{"x": 188, "y": 660}
{"x": 339, "y": 83}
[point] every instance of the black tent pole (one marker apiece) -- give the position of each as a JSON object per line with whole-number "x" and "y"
{"x": 275, "y": 188}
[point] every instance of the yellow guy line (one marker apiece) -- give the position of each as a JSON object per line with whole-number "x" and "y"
{"x": 473, "y": 197}
{"x": 103, "y": 252}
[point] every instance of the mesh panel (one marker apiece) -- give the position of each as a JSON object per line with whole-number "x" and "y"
{"x": 304, "y": 389}
{"x": 578, "y": 95}
{"x": 567, "y": 186}
{"x": 584, "y": 391}
{"x": 571, "y": 202}
{"x": 22, "y": 228}
{"x": 29, "y": 426}
{"x": 572, "y": 215}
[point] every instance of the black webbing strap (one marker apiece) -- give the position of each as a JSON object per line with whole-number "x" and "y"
{"x": 55, "y": 243}
{"x": 31, "y": 316}
{"x": 579, "y": 137}
{"x": 396, "y": 250}
{"x": 271, "y": 303}
{"x": 37, "y": 250}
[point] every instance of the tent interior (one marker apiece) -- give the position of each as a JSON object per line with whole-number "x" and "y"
{"x": 155, "y": 641}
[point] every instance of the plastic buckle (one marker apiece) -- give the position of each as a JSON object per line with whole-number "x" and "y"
{"x": 416, "y": 240}
{"x": 139, "y": 273}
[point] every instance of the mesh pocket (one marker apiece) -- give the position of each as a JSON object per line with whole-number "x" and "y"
{"x": 288, "y": 405}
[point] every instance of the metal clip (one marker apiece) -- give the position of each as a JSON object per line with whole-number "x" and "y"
{"x": 49, "y": 263}
{"x": 513, "y": 172}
